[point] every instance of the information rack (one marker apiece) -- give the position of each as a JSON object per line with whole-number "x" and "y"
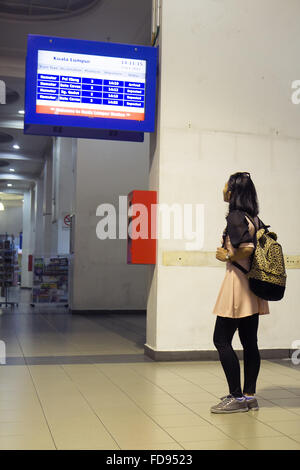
{"x": 51, "y": 280}
{"x": 8, "y": 267}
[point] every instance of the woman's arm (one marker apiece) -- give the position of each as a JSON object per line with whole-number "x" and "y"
{"x": 240, "y": 253}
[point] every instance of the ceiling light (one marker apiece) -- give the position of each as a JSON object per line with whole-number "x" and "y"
{"x": 9, "y": 185}
{"x": 21, "y": 111}
{"x": 12, "y": 169}
{"x": 16, "y": 146}
{"x": 1, "y": 206}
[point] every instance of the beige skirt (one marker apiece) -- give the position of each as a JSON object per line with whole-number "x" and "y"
{"x": 235, "y": 299}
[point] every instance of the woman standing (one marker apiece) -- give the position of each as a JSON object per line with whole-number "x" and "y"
{"x": 237, "y": 307}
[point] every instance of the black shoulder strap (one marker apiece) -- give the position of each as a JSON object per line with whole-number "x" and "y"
{"x": 252, "y": 220}
{"x": 241, "y": 268}
{"x": 262, "y": 225}
{"x": 245, "y": 271}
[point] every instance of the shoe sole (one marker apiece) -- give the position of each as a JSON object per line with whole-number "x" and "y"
{"x": 242, "y": 410}
{"x": 253, "y": 408}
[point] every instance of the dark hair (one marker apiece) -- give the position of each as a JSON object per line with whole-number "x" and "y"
{"x": 243, "y": 194}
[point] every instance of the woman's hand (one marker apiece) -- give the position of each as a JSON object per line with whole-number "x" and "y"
{"x": 240, "y": 253}
{"x": 221, "y": 254}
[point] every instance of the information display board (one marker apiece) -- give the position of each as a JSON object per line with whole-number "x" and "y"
{"x": 74, "y": 87}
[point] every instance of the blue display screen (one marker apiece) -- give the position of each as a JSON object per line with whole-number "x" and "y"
{"x": 73, "y": 84}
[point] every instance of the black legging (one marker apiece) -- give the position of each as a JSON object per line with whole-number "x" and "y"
{"x": 223, "y": 334}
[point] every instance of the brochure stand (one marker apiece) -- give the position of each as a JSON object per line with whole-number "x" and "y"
{"x": 8, "y": 267}
{"x": 51, "y": 280}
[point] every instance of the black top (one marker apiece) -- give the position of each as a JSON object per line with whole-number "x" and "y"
{"x": 237, "y": 228}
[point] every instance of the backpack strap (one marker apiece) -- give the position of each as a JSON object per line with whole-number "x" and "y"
{"x": 245, "y": 271}
{"x": 237, "y": 265}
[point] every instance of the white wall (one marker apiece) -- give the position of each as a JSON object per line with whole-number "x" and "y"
{"x": 11, "y": 220}
{"x": 226, "y": 70}
{"x": 102, "y": 279}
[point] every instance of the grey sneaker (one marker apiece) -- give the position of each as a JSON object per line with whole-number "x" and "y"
{"x": 252, "y": 403}
{"x": 230, "y": 404}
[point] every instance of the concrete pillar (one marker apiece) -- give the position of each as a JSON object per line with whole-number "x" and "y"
{"x": 224, "y": 106}
{"x": 47, "y": 206}
{"x": 28, "y": 236}
{"x": 63, "y": 190}
{"x": 39, "y": 235}
{"x": 66, "y": 191}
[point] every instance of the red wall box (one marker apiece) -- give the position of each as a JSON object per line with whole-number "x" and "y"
{"x": 30, "y": 262}
{"x": 142, "y": 250}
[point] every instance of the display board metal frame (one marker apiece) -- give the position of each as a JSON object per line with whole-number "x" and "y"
{"x": 82, "y": 126}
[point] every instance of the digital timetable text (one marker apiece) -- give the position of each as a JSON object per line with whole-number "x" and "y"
{"x": 98, "y": 87}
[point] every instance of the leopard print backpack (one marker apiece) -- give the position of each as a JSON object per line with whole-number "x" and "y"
{"x": 267, "y": 274}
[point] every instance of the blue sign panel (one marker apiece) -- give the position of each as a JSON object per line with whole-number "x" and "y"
{"x": 73, "y": 85}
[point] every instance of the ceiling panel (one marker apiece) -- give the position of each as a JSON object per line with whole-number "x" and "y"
{"x": 29, "y": 144}
{"x": 29, "y": 9}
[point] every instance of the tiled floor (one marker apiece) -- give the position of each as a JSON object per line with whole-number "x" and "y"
{"x": 83, "y": 382}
